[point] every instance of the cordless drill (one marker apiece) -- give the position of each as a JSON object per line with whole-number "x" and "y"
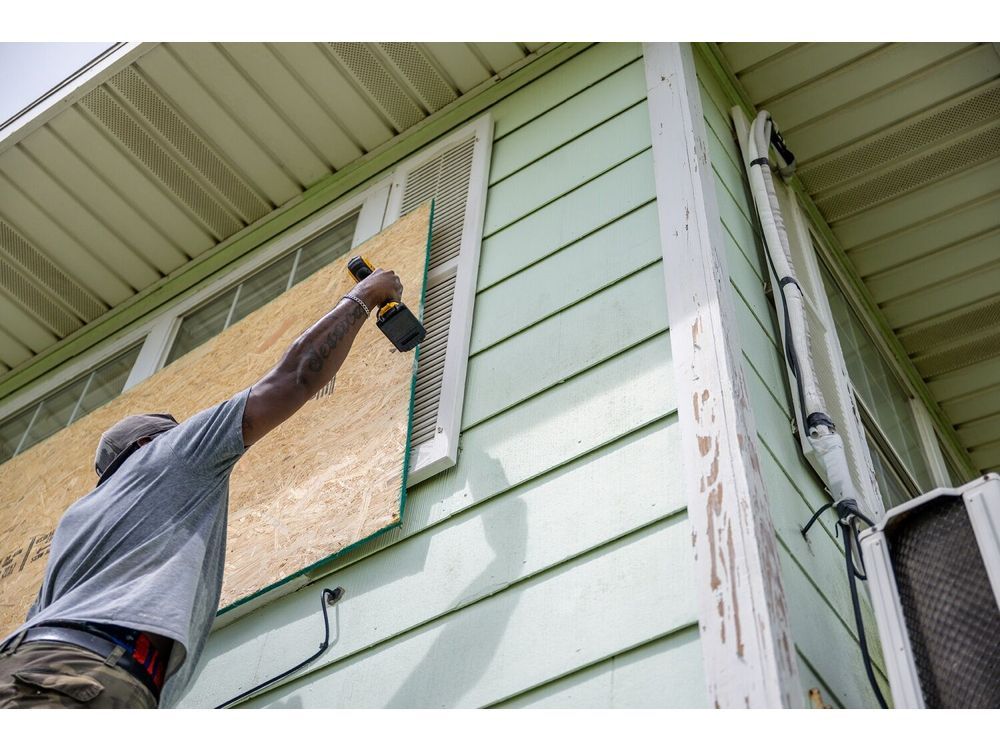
{"x": 394, "y": 319}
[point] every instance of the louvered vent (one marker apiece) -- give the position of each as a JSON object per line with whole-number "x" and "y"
{"x": 935, "y": 165}
{"x": 958, "y": 341}
{"x": 34, "y": 300}
{"x": 445, "y": 179}
{"x": 131, "y": 134}
{"x": 47, "y": 274}
{"x": 134, "y": 89}
{"x": 977, "y": 109}
{"x": 378, "y": 83}
{"x": 419, "y": 73}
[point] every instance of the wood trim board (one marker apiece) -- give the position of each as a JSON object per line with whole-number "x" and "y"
{"x": 330, "y": 477}
{"x": 746, "y": 640}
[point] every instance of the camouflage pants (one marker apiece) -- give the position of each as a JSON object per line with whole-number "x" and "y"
{"x": 58, "y": 675}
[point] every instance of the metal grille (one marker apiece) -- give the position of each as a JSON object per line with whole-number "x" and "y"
{"x": 22, "y": 252}
{"x": 969, "y": 322}
{"x": 936, "y": 165}
{"x": 378, "y": 83}
{"x": 433, "y": 352}
{"x": 949, "y": 607}
{"x": 954, "y": 358}
{"x": 446, "y": 180}
{"x": 978, "y": 109}
{"x": 162, "y": 117}
{"x": 419, "y": 73}
{"x": 144, "y": 147}
{"x": 34, "y": 300}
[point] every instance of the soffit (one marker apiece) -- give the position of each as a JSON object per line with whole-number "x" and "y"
{"x": 899, "y": 147}
{"x": 187, "y": 145}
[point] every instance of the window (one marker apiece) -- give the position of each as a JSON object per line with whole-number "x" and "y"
{"x": 884, "y": 402}
{"x": 62, "y": 407}
{"x": 256, "y": 290}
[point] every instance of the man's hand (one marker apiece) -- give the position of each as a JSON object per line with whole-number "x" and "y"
{"x": 314, "y": 357}
{"x": 379, "y": 288}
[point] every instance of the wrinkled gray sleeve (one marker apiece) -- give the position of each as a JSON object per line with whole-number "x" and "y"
{"x": 211, "y": 441}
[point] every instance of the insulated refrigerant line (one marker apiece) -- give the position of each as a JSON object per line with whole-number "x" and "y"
{"x": 819, "y": 429}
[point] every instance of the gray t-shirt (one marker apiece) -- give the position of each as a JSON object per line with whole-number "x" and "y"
{"x": 146, "y": 548}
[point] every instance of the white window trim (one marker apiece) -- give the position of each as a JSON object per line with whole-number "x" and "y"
{"x": 51, "y": 382}
{"x": 158, "y": 331}
{"x": 442, "y": 452}
{"x": 370, "y": 207}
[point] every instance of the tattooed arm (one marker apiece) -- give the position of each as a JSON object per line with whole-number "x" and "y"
{"x": 314, "y": 357}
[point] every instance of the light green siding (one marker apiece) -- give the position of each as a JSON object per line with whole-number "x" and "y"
{"x": 552, "y": 566}
{"x": 813, "y": 571}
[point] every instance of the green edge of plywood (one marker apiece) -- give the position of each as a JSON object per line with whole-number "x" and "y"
{"x": 304, "y": 572}
{"x": 406, "y": 462}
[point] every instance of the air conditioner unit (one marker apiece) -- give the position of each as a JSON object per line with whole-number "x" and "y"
{"x": 933, "y": 568}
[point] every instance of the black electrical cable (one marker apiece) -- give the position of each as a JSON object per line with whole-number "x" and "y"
{"x": 327, "y": 597}
{"x": 848, "y": 513}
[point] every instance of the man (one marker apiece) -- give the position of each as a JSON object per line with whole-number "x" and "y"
{"x": 134, "y": 574}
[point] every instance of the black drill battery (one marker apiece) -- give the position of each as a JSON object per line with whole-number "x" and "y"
{"x": 395, "y": 320}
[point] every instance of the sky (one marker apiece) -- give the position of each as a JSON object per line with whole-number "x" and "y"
{"x": 29, "y": 69}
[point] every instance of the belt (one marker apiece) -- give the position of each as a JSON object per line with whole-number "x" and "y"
{"x": 138, "y": 657}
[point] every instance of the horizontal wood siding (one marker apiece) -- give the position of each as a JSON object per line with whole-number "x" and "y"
{"x": 812, "y": 571}
{"x": 551, "y": 566}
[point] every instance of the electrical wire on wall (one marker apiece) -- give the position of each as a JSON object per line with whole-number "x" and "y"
{"x": 819, "y": 429}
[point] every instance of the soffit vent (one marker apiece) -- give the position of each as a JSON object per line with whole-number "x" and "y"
{"x": 134, "y": 89}
{"x": 418, "y": 71}
{"x": 446, "y": 179}
{"x": 34, "y": 300}
{"x": 969, "y": 322}
{"x": 975, "y": 110}
{"x": 141, "y": 144}
{"x": 980, "y": 147}
{"x": 47, "y": 275}
{"x": 378, "y": 83}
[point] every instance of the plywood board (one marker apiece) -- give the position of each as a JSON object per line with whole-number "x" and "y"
{"x": 331, "y": 476}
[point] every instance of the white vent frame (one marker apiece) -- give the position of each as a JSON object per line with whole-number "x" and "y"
{"x": 441, "y": 451}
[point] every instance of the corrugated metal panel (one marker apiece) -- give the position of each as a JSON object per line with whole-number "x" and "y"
{"x": 900, "y": 148}
{"x": 161, "y": 160}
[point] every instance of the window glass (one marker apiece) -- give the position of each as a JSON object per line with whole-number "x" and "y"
{"x": 107, "y": 382}
{"x": 893, "y": 490}
{"x": 876, "y": 385}
{"x": 61, "y": 407}
{"x": 55, "y": 412}
{"x": 12, "y": 430}
{"x": 955, "y": 476}
{"x": 201, "y": 325}
{"x": 261, "y": 287}
{"x": 324, "y": 249}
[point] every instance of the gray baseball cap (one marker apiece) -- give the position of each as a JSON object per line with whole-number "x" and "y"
{"x": 121, "y": 441}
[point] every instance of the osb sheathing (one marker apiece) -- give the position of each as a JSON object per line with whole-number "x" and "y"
{"x": 325, "y": 479}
